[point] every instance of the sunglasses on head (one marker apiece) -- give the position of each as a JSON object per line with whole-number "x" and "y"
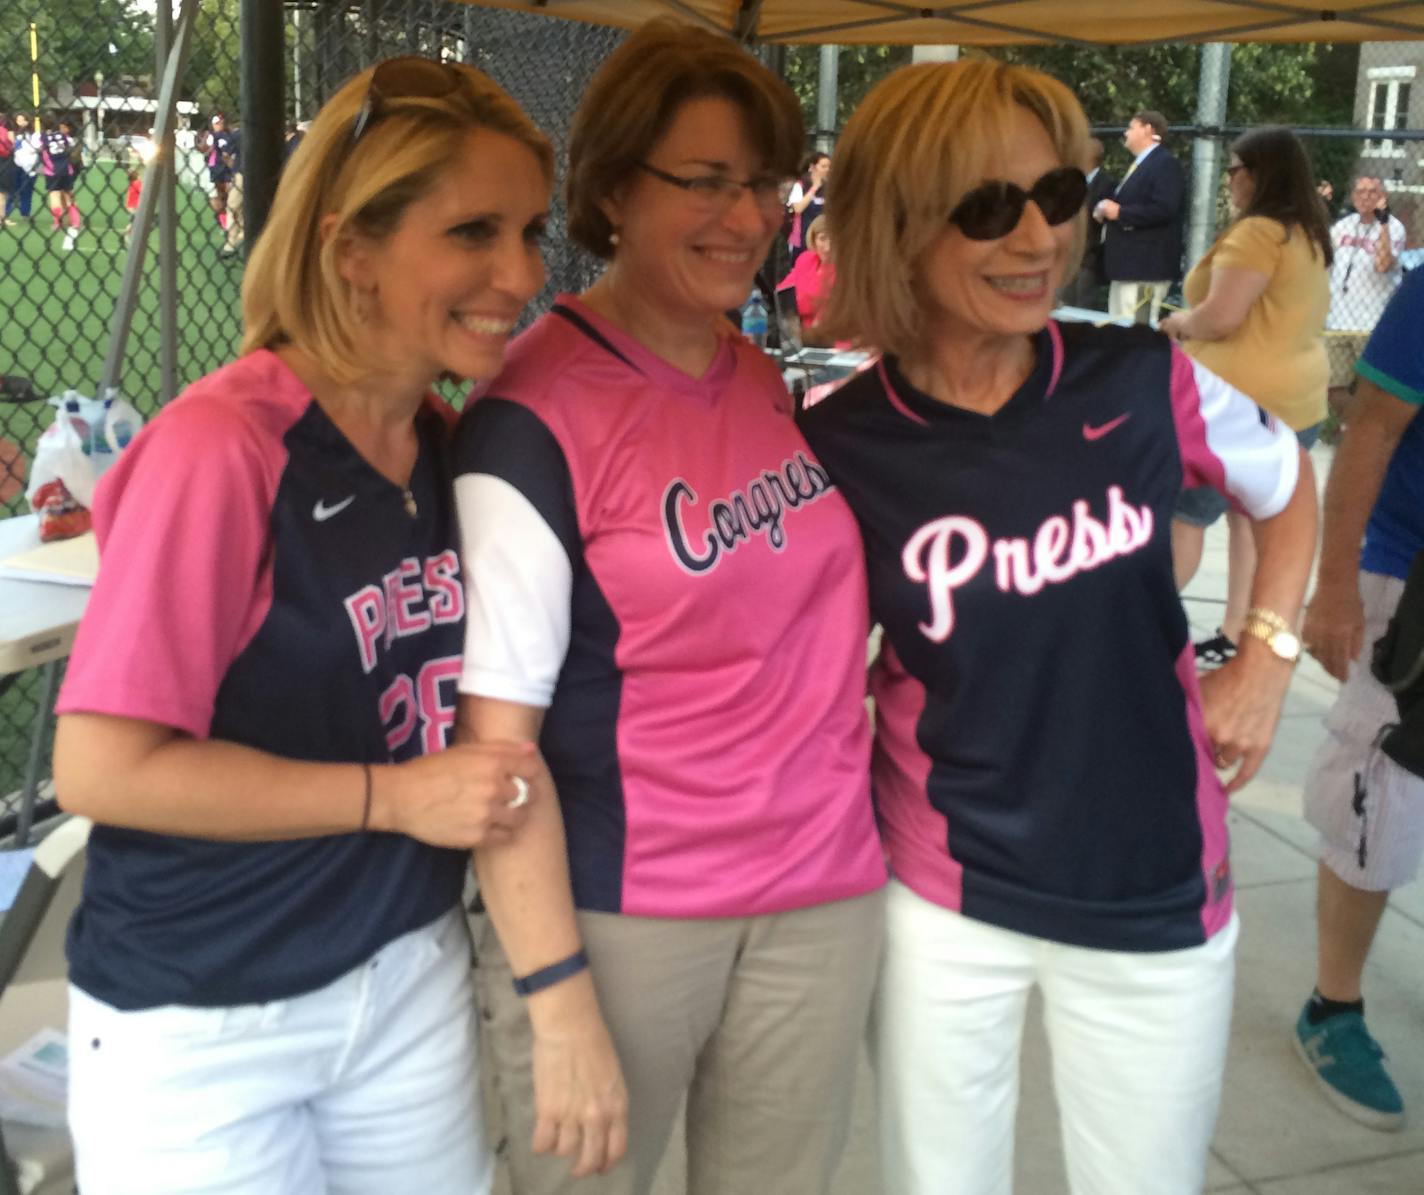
{"x": 406, "y": 77}
{"x": 994, "y": 209}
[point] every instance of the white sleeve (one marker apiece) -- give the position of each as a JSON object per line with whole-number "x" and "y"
{"x": 518, "y": 593}
{"x": 1259, "y": 454}
{"x": 796, "y": 193}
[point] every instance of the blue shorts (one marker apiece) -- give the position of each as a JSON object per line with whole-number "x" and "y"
{"x": 1201, "y": 506}
{"x": 60, "y": 182}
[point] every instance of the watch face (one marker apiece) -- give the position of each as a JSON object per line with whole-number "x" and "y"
{"x": 1285, "y": 645}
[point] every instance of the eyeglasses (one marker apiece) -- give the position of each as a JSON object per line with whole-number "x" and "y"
{"x": 406, "y": 77}
{"x": 718, "y": 192}
{"x": 994, "y": 209}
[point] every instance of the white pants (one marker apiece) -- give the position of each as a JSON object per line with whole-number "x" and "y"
{"x": 1138, "y": 1040}
{"x": 1140, "y": 301}
{"x": 365, "y": 1085}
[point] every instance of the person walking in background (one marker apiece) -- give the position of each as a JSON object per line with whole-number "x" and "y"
{"x": 1045, "y": 768}
{"x": 807, "y": 200}
{"x": 1089, "y": 287}
{"x": 1366, "y": 273}
{"x": 270, "y": 966}
{"x": 27, "y": 163}
{"x": 1257, "y": 304}
{"x": 221, "y": 156}
{"x": 58, "y": 150}
{"x": 1368, "y": 809}
{"x": 665, "y": 588}
{"x": 8, "y": 172}
{"x": 1142, "y": 223}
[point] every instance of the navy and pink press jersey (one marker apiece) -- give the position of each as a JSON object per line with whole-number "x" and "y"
{"x": 261, "y": 583}
{"x": 54, "y": 153}
{"x": 660, "y": 563}
{"x": 1041, "y": 762}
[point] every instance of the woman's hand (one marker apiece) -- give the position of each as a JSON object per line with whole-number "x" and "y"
{"x": 1241, "y": 705}
{"x": 464, "y": 796}
{"x": 1334, "y": 629}
{"x": 580, "y": 1101}
{"x": 1173, "y": 326}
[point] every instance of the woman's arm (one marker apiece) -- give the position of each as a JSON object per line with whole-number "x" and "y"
{"x": 580, "y": 1102}
{"x": 800, "y": 198}
{"x": 144, "y": 776}
{"x": 1229, "y": 297}
{"x": 1241, "y": 700}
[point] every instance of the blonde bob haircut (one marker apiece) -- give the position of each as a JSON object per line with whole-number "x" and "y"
{"x": 293, "y": 291}
{"x": 635, "y": 95}
{"x": 919, "y": 142}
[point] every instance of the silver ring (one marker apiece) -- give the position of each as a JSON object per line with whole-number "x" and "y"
{"x": 521, "y": 793}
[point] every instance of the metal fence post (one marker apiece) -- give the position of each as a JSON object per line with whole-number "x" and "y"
{"x": 263, "y": 104}
{"x": 1206, "y": 149}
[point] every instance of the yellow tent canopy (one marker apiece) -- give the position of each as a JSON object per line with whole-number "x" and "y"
{"x": 1010, "y": 22}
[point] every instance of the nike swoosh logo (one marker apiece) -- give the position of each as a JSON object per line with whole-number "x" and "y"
{"x": 321, "y": 511}
{"x": 1097, "y": 433}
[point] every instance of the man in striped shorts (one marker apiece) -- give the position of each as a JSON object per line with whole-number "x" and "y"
{"x": 1368, "y": 809}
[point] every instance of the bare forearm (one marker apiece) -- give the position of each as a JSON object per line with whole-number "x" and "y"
{"x": 172, "y": 784}
{"x": 1354, "y": 484}
{"x": 1285, "y": 547}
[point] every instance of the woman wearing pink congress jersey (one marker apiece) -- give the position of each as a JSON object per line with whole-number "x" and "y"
{"x": 664, "y": 587}
{"x": 270, "y": 979}
{"x": 1046, "y": 760}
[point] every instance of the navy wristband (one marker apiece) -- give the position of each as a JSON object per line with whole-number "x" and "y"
{"x": 547, "y": 977}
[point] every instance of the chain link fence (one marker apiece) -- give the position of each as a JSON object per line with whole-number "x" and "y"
{"x": 78, "y": 91}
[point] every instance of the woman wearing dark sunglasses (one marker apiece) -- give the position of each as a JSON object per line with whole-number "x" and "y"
{"x": 271, "y": 989}
{"x": 666, "y": 591}
{"x": 1045, "y": 769}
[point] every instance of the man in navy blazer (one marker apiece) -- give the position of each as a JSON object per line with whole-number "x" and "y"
{"x": 1142, "y": 223}
{"x": 1089, "y": 287}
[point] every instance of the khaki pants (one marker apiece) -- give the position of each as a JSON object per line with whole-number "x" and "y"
{"x": 757, "y": 1021}
{"x": 1139, "y": 301}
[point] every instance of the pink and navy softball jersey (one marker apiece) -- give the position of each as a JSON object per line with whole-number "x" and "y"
{"x": 660, "y": 563}
{"x": 1041, "y": 761}
{"x": 262, "y": 584}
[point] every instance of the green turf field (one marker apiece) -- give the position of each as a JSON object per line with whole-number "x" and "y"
{"x": 55, "y": 311}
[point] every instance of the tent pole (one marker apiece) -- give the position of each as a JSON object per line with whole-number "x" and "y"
{"x": 1206, "y": 149}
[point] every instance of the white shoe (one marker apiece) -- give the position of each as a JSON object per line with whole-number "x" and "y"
{"x": 70, "y": 238}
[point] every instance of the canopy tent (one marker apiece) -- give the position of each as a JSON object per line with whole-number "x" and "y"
{"x": 1008, "y": 22}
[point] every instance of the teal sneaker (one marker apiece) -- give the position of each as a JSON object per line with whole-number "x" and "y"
{"x": 1349, "y": 1065}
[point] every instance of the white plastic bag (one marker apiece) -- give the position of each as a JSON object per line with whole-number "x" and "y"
{"x": 77, "y": 448}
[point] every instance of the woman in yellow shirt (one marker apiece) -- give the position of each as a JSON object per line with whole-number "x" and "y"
{"x": 1257, "y": 302}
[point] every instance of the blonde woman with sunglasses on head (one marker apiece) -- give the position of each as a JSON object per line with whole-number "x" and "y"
{"x": 1045, "y": 765}
{"x": 271, "y": 990}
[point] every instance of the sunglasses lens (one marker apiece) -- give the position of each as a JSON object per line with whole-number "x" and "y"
{"x": 989, "y": 211}
{"x": 1060, "y": 194}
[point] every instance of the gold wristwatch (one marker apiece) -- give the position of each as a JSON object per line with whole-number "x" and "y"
{"x": 1274, "y": 631}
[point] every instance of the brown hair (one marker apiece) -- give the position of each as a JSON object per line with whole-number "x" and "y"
{"x": 921, "y": 140}
{"x": 1283, "y": 184}
{"x": 293, "y": 291}
{"x": 636, "y": 94}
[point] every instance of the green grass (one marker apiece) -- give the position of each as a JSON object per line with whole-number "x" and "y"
{"x": 55, "y": 312}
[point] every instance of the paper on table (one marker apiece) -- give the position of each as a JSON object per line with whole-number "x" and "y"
{"x": 14, "y": 866}
{"x": 63, "y": 562}
{"x": 34, "y": 1080}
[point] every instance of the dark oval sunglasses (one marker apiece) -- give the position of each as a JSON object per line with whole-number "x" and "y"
{"x": 994, "y": 209}
{"x": 406, "y": 77}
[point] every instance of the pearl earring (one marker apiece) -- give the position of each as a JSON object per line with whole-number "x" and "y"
{"x": 613, "y": 238}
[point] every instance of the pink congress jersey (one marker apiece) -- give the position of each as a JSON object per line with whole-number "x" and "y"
{"x": 659, "y": 562}
{"x": 261, "y": 583}
{"x": 1041, "y": 762}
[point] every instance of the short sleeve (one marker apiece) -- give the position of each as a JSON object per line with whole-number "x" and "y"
{"x": 1394, "y": 357}
{"x": 182, "y": 522}
{"x": 1251, "y": 244}
{"x": 1231, "y": 444}
{"x": 519, "y": 539}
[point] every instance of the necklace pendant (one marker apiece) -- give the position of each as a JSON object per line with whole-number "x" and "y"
{"x": 410, "y": 506}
